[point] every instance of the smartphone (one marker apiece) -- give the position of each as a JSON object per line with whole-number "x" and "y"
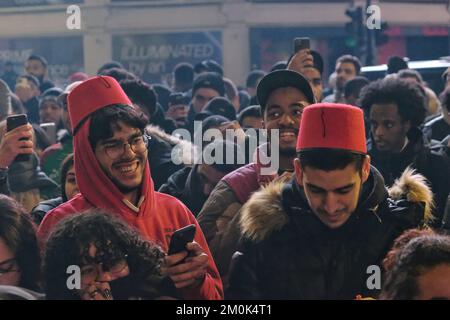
{"x": 181, "y": 238}
{"x": 50, "y": 130}
{"x": 301, "y": 43}
{"x": 13, "y": 122}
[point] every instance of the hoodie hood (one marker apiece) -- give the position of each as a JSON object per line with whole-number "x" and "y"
{"x": 269, "y": 209}
{"x": 97, "y": 188}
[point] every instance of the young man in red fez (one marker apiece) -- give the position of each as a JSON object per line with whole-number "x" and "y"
{"x": 113, "y": 174}
{"x": 283, "y": 95}
{"x": 323, "y": 234}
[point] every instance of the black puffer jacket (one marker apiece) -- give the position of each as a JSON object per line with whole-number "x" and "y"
{"x": 288, "y": 253}
{"x": 185, "y": 186}
{"x": 26, "y": 175}
{"x": 430, "y": 162}
{"x": 163, "y": 159}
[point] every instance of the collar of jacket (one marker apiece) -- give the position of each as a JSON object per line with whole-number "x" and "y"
{"x": 414, "y": 146}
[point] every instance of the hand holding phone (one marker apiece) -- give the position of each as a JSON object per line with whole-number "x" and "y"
{"x": 181, "y": 238}
{"x": 301, "y": 43}
{"x": 19, "y": 139}
{"x": 302, "y": 57}
{"x": 188, "y": 267}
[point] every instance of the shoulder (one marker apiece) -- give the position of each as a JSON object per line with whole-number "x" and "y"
{"x": 264, "y": 212}
{"x": 242, "y": 173}
{"x": 170, "y": 203}
{"x": 411, "y": 191}
{"x": 50, "y": 151}
{"x": 243, "y": 181}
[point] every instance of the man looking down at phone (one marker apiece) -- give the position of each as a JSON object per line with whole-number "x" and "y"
{"x": 315, "y": 236}
{"x": 113, "y": 174}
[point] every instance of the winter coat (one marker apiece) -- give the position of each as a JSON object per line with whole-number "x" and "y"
{"x": 218, "y": 215}
{"x": 288, "y": 253}
{"x": 162, "y": 156}
{"x": 185, "y": 186}
{"x": 429, "y": 162}
{"x": 438, "y": 127}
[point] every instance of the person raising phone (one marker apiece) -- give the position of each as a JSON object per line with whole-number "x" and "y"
{"x": 11, "y": 146}
{"x": 309, "y": 63}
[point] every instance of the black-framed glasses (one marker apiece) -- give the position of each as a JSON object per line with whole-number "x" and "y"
{"x": 92, "y": 271}
{"x": 8, "y": 266}
{"x": 137, "y": 144}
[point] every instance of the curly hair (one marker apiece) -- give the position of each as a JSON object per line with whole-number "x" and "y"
{"x": 416, "y": 258}
{"x": 407, "y": 97}
{"x": 69, "y": 245}
{"x": 106, "y": 120}
{"x": 19, "y": 234}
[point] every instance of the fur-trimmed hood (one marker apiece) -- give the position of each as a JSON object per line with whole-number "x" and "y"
{"x": 265, "y": 212}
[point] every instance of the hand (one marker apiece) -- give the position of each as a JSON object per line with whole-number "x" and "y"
{"x": 191, "y": 272}
{"x": 301, "y": 60}
{"x": 11, "y": 146}
{"x": 97, "y": 291}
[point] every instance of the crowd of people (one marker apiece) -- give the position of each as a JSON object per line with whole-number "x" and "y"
{"x": 105, "y": 178}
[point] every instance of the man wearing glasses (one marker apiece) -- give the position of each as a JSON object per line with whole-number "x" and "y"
{"x": 112, "y": 171}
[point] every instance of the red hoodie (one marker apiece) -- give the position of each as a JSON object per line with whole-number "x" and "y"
{"x": 158, "y": 217}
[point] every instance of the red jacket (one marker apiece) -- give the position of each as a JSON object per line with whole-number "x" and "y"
{"x": 158, "y": 217}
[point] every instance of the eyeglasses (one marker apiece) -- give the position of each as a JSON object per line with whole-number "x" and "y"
{"x": 8, "y": 266}
{"x": 138, "y": 144}
{"x": 91, "y": 272}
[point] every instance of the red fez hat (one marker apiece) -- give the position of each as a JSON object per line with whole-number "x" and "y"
{"x": 93, "y": 94}
{"x": 332, "y": 126}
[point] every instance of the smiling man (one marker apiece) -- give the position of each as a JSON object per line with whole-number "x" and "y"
{"x": 113, "y": 174}
{"x": 283, "y": 96}
{"x": 315, "y": 236}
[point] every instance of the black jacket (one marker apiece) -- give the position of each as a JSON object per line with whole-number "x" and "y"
{"x": 436, "y": 129}
{"x": 32, "y": 108}
{"x": 430, "y": 162}
{"x": 288, "y": 253}
{"x": 38, "y": 213}
{"x": 160, "y": 159}
{"x": 185, "y": 186}
{"x": 27, "y": 175}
